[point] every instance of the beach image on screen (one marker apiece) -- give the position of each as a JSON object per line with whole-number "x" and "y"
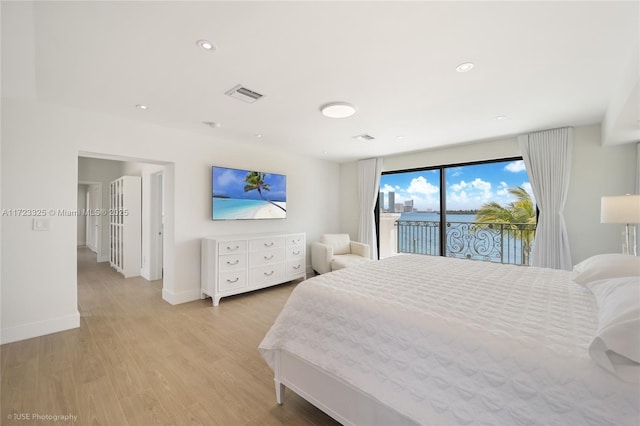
{"x": 245, "y": 194}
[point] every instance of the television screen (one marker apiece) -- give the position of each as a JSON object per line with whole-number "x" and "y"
{"x": 246, "y": 194}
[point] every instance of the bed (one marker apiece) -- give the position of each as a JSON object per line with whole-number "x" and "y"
{"x": 416, "y": 339}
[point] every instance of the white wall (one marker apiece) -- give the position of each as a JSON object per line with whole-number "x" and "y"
{"x": 597, "y": 170}
{"x": 43, "y": 299}
{"x": 39, "y": 171}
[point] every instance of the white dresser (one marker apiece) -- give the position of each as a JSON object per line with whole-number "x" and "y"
{"x": 236, "y": 264}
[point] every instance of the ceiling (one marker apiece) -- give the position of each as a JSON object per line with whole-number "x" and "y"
{"x": 538, "y": 64}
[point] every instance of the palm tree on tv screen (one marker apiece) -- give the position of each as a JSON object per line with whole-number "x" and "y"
{"x": 520, "y": 214}
{"x": 255, "y": 181}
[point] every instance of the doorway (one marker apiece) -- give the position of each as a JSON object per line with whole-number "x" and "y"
{"x": 89, "y": 202}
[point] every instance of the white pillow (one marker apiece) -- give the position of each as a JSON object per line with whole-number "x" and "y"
{"x": 616, "y": 345}
{"x": 603, "y": 266}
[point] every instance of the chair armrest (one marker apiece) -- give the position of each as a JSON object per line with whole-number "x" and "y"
{"x": 321, "y": 256}
{"x": 361, "y": 249}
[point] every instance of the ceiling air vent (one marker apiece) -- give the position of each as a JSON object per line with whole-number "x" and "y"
{"x": 244, "y": 94}
{"x": 364, "y": 137}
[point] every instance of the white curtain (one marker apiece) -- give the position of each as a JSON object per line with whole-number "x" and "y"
{"x": 368, "y": 187}
{"x": 547, "y": 155}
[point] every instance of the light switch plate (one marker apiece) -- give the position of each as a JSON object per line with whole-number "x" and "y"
{"x": 40, "y": 224}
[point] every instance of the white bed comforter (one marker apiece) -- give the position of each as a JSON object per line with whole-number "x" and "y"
{"x": 449, "y": 341}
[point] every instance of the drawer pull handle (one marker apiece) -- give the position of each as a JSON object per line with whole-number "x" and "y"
{"x": 297, "y": 241}
{"x": 268, "y": 244}
{"x": 297, "y": 267}
{"x": 235, "y": 262}
{"x": 233, "y": 248}
{"x": 268, "y": 274}
{"x": 296, "y": 252}
{"x": 268, "y": 257}
{"x": 233, "y": 281}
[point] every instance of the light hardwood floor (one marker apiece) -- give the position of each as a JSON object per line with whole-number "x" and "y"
{"x": 136, "y": 360}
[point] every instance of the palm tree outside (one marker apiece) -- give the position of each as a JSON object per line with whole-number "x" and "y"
{"x": 518, "y": 216}
{"x": 256, "y": 181}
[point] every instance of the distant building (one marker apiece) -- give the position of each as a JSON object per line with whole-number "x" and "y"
{"x": 408, "y": 206}
{"x": 381, "y": 201}
{"x": 392, "y": 202}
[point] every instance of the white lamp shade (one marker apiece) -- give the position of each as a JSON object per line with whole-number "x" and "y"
{"x": 620, "y": 209}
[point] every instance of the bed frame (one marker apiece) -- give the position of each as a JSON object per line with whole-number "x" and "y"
{"x": 338, "y": 399}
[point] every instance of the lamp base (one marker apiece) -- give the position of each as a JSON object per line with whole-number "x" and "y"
{"x": 629, "y": 245}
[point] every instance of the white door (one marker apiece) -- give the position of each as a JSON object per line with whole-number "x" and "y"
{"x": 157, "y": 225}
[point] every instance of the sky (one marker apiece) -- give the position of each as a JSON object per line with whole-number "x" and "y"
{"x": 468, "y": 187}
{"x": 230, "y": 183}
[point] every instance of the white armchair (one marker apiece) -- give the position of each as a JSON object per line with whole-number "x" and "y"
{"x": 337, "y": 251}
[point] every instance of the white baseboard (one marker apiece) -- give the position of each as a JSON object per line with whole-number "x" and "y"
{"x": 39, "y": 328}
{"x": 103, "y": 258}
{"x": 182, "y": 297}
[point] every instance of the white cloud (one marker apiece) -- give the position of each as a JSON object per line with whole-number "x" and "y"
{"x": 420, "y": 185}
{"x": 459, "y": 186}
{"x": 481, "y": 185}
{"x": 468, "y": 195}
{"x": 515, "y": 166}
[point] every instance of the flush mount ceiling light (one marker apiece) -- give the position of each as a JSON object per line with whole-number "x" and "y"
{"x": 206, "y": 45}
{"x": 501, "y": 117}
{"x": 338, "y": 110}
{"x": 465, "y": 66}
{"x": 211, "y": 124}
{"x": 141, "y": 106}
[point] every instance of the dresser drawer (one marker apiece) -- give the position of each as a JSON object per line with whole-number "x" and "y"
{"x": 266, "y": 274}
{"x": 265, "y": 257}
{"x": 231, "y": 247}
{"x": 232, "y": 280}
{"x": 266, "y": 243}
{"x": 295, "y": 252}
{"x": 232, "y": 262}
{"x": 295, "y": 240}
{"x": 295, "y": 268}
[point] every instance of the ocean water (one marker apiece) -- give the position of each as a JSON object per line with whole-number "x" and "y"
{"x": 232, "y": 208}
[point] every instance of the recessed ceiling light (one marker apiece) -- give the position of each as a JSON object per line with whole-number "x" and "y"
{"x": 206, "y": 45}
{"x": 465, "y": 66}
{"x": 259, "y": 135}
{"x": 338, "y": 110}
{"x": 141, "y": 106}
{"x": 501, "y": 117}
{"x": 212, "y": 124}
{"x": 399, "y": 137}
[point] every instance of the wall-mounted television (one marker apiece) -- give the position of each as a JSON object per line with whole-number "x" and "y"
{"x": 247, "y": 194}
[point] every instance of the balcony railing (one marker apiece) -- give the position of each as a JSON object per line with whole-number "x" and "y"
{"x": 492, "y": 242}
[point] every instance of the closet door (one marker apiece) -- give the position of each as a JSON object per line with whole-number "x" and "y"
{"x": 125, "y": 225}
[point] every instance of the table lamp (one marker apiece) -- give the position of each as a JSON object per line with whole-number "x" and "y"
{"x": 622, "y": 209}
